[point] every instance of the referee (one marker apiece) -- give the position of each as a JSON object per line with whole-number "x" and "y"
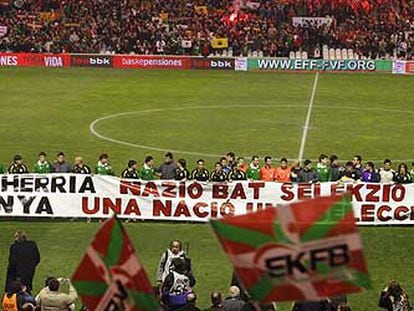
{"x": 218, "y": 175}
{"x": 131, "y": 171}
{"x": 200, "y": 173}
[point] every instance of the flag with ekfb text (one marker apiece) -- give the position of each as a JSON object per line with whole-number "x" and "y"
{"x": 308, "y": 250}
{"x": 110, "y": 275}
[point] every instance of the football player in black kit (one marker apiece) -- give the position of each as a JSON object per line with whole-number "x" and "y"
{"x": 131, "y": 171}
{"x": 236, "y": 173}
{"x": 80, "y": 167}
{"x": 200, "y": 173}
{"x": 181, "y": 172}
{"x": 18, "y": 167}
{"x": 218, "y": 175}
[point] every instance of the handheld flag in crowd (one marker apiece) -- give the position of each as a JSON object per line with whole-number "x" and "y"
{"x": 110, "y": 275}
{"x": 308, "y": 250}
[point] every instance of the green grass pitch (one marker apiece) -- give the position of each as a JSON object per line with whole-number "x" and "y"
{"x": 202, "y": 114}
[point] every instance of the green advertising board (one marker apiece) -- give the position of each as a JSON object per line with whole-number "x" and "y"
{"x": 277, "y": 64}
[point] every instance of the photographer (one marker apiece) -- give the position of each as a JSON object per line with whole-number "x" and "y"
{"x": 51, "y": 299}
{"x": 177, "y": 285}
{"x": 166, "y": 262}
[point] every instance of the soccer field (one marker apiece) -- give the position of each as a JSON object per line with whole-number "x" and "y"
{"x": 202, "y": 114}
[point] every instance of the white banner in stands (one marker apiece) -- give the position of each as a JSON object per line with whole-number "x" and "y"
{"x": 311, "y": 21}
{"x": 84, "y": 196}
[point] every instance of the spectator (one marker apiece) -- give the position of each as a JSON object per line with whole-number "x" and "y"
{"x": 282, "y": 173}
{"x": 16, "y": 297}
{"x": 131, "y": 171}
{"x": 218, "y": 175}
{"x": 369, "y": 174}
{"x": 307, "y": 174}
{"x": 191, "y": 303}
{"x": 147, "y": 171}
{"x": 323, "y": 170}
{"x": 267, "y": 172}
{"x": 165, "y": 266}
{"x": 236, "y": 173}
{"x": 216, "y": 301}
{"x": 24, "y": 256}
{"x": 42, "y": 166}
{"x": 233, "y": 302}
{"x": 200, "y": 173}
{"x": 103, "y": 167}
{"x": 51, "y": 298}
{"x": 394, "y": 298}
{"x": 253, "y": 171}
{"x": 386, "y": 172}
{"x": 177, "y": 285}
{"x": 402, "y": 176}
{"x": 336, "y": 169}
{"x": 181, "y": 172}
{"x": 295, "y": 171}
{"x": 17, "y": 167}
{"x": 167, "y": 169}
{"x": 60, "y": 165}
{"x": 80, "y": 167}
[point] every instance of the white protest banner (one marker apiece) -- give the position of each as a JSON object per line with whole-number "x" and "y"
{"x": 311, "y": 21}
{"x": 84, "y": 196}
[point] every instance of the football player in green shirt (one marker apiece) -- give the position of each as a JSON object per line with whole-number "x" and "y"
{"x": 42, "y": 166}
{"x": 253, "y": 171}
{"x": 103, "y": 167}
{"x": 147, "y": 171}
{"x": 323, "y": 170}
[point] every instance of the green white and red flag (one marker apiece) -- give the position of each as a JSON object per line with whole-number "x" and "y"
{"x": 110, "y": 275}
{"x": 308, "y": 250}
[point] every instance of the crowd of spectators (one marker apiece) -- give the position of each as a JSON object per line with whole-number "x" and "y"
{"x": 175, "y": 289}
{"x": 177, "y": 27}
{"x": 227, "y": 169}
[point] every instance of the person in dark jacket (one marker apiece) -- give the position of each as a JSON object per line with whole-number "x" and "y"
{"x": 307, "y": 174}
{"x": 24, "y": 256}
{"x": 233, "y": 302}
{"x": 61, "y": 166}
{"x": 322, "y": 305}
{"x": 402, "y": 176}
{"x": 167, "y": 169}
{"x": 336, "y": 169}
{"x": 350, "y": 174}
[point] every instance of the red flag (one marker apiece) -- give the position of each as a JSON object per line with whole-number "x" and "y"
{"x": 110, "y": 275}
{"x": 305, "y": 251}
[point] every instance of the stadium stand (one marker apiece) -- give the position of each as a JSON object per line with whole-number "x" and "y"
{"x": 347, "y": 30}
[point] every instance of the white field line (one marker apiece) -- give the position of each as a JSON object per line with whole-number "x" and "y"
{"x": 306, "y": 125}
{"x": 94, "y": 131}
